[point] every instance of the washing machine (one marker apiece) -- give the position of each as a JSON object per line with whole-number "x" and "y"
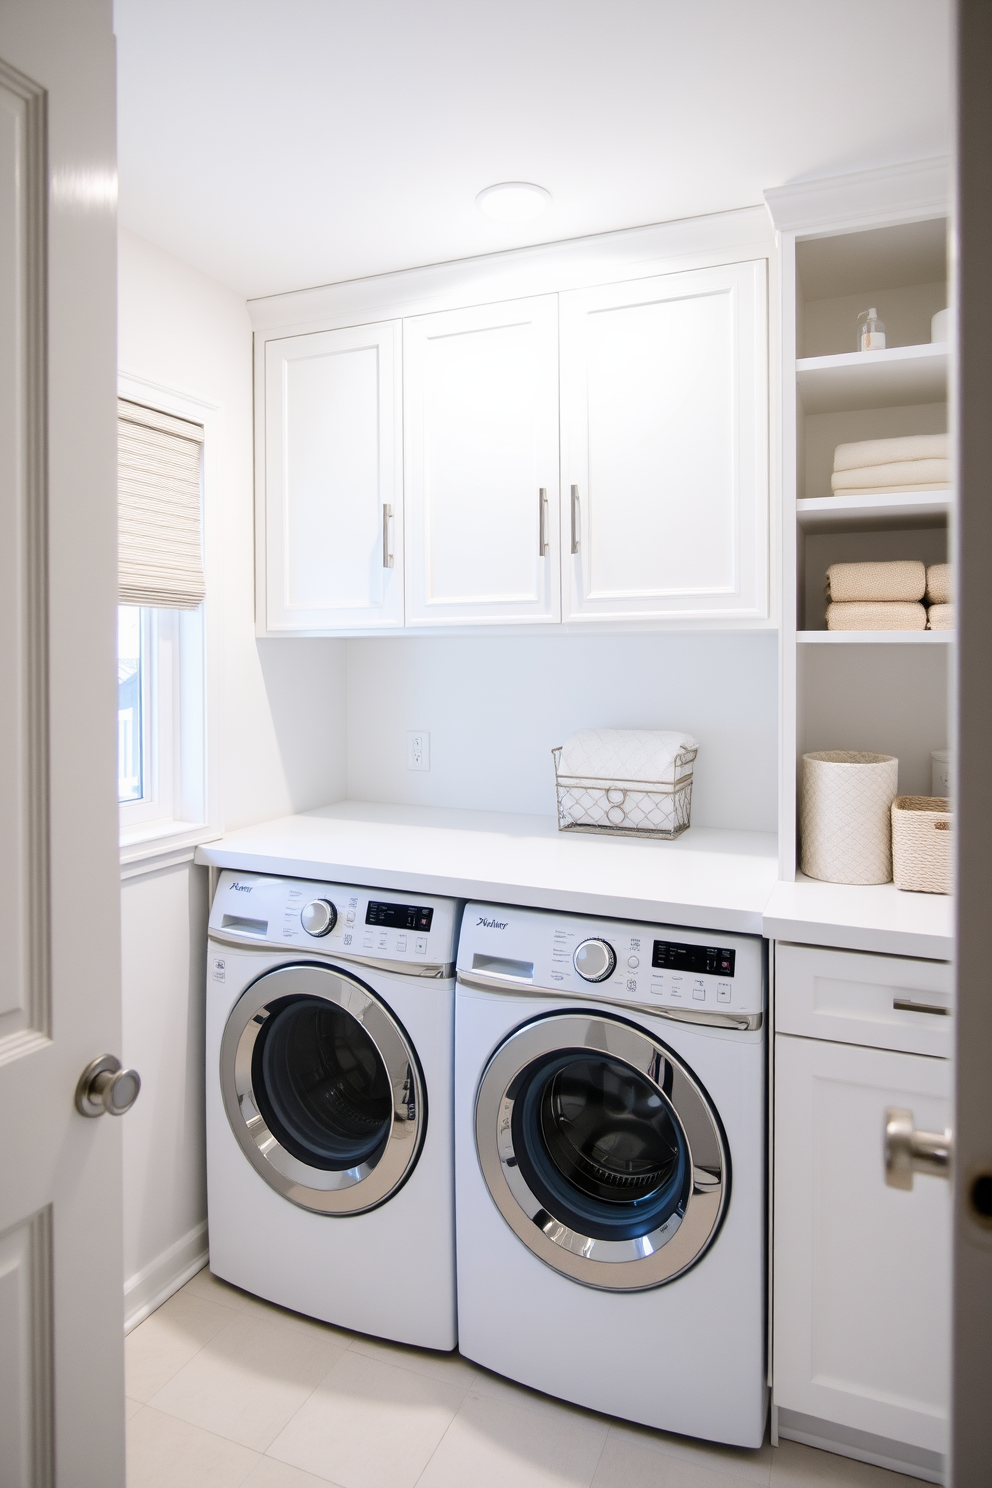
{"x": 610, "y": 1165}
{"x": 329, "y": 1044}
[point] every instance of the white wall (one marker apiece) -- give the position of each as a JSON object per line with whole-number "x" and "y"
{"x": 276, "y": 734}
{"x": 496, "y": 705}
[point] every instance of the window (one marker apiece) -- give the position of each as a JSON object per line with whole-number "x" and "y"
{"x": 161, "y": 784}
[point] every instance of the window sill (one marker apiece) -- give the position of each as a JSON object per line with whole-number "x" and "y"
{"x": 161, "y": 845}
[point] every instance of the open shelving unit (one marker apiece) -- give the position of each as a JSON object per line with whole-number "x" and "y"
{"x": 883, "y": 691}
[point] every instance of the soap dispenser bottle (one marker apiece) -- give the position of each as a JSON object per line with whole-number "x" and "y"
{"x": 871, "y": 331}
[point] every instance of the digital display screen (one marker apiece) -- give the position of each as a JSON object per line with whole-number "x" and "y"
{"x": 670, "y": 956}
{"x": 399, "y": 916}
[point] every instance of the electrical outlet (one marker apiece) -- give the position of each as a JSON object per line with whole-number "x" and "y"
{"x": 418, "y": 750}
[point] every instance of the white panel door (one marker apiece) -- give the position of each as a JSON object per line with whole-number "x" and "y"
{"x": 332, "y": 507}
{"x": 862, "y": 1272}
{"x": 61, "y": 1209}
{"x": 665, "y": 447}
{"x": 481, "y": 431}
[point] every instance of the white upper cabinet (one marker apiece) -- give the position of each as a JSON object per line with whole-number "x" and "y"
{"x": 333, "y": 509}
{"x": 481, "y": 434}
{"x": 664, "y": 447}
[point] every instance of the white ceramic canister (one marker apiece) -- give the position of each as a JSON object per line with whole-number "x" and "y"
{"x": 845, "y": 828}
{"x": 940, "y": 326}
{"x": 940, "y": 772}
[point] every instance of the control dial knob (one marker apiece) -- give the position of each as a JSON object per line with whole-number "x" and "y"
{"x": 594, "y": 960}
{"x": 318, "y": 917}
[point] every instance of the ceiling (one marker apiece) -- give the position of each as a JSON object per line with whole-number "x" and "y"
{"x": 276, "y": 144}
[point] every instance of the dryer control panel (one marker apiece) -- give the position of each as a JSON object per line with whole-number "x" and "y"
{"x": 619, "y": 960}
{"x": 335, "y": 919}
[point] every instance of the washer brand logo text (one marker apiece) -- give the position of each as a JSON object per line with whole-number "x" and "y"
{"x": 492, "y": 924}
{"x": 242, "y": 888}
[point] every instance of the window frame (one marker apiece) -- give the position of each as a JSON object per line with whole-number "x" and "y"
{"x": 179, "y": 807}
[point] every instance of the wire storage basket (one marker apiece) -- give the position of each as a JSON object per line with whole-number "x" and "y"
{"x": 626, "y": 808}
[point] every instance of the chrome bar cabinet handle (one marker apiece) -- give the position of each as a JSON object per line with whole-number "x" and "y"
{"x": 575, "y": 519}
{"x": 542, "y": 520}
{"x": 387, "y": 555}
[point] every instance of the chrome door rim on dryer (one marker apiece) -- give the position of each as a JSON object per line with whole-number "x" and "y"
{"x": 331, "y": 1190}
{"x": 634, "y": 1264}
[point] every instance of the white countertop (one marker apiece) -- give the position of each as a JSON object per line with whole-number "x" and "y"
{"x": 878, "y": 918}
{"x": 707, "y": 878}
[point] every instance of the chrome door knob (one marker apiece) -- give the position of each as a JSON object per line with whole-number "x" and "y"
{"x": 594, "y": 960}
{"x": 909, "y": 1151}
{"x": 105, "y": 1088}
{"x": 318, "y": 917}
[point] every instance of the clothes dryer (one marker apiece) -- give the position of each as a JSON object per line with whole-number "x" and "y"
{"x": 610, "y": 1166}
{"x": 330, "y": 1024}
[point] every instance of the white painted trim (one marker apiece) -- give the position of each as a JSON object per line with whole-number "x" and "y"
{"x": 915, "y": 190}
{"x": 548, "y": 268}
{"x": 170, "y": 1269}
{"x": 142, "y": 858}
{"x": 859, "y": 1446}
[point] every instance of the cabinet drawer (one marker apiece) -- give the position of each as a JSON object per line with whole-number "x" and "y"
{"x": 882, "y": 1002}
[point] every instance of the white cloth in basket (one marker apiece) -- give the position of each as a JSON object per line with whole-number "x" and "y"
{"x": 624, "y": 754}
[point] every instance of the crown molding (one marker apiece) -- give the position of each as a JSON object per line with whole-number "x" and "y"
{"x": 913, "y": 191}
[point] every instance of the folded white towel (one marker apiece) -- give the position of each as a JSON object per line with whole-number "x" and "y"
{"x": 623, "y": 754}
{"x": 939, "y": 584}
{"x": 885, "y": 451}
{"x": 919, "y": 472}
{"x": 905, "y": 487}
{"x": 876, "y": 617}
{"x": 877, "y": 582}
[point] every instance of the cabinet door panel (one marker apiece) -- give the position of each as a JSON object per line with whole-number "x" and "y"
{"x": 333, "y": 507}
{"x": 664, "y": 414}
{"x": 481, "y": 412}
{"x": 862, "y": 1271}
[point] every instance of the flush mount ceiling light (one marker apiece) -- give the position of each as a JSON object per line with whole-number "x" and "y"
{"x": 513, "y": 201}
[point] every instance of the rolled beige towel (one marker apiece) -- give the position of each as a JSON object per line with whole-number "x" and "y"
{"x": 866, "y": 616}
{"x": 939, "y": 584}
{"x": 885, "y": 451}
{"x": 897, "y": 473}
{"x": 876, "y": 582}
{"x": 941, "y": 616}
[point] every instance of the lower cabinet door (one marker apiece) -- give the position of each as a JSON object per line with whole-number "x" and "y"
{"x": 862, "y": 1272}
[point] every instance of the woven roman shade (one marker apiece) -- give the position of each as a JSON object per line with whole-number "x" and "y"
{"x": 160, "y": 558}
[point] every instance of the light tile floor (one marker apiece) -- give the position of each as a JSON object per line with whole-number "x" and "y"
{"x": 225, "y": 1390}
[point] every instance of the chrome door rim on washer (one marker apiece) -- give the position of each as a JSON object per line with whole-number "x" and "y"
{"x": 612, "y": 1265}
{"x": 325, "y": 1191}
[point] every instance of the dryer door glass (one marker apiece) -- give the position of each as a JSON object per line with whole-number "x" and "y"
{"x": 321, "y": 1084}
{"x": 601, "y": 1150}
{"x": 322, "y": 1089}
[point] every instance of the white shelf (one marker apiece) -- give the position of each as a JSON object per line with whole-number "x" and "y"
{"x": 890, "y": 509}
{"x": 875, "y": 637}
{"x": 873, "y": 379}
{"x": 879, "y": 918}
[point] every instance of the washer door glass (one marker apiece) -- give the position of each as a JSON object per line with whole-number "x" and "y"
{"x": 322, "y": 1089}
{"x": 601, "y": 1151}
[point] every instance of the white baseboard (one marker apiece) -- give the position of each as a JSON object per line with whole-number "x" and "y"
{"x": 171, "y": 1269}
{"x": 862, "y": 1446}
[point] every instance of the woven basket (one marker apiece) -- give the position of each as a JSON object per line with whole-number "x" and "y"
{"x": 844, "y": 804}
{"x": 922, "y": 844}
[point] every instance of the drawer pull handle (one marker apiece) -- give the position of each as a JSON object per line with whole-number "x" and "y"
{"x": 904, "y": 1005}
{"x": 908, "y": 1151}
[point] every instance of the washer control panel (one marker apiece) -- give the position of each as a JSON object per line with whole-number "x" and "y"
{"x": 665, "y": 965}
{"x": 369, "y": 924}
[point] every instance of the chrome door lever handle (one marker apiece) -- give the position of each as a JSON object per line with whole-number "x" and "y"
{"x": 106, "y": 1088}
{"x": 909, "y": 1151}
